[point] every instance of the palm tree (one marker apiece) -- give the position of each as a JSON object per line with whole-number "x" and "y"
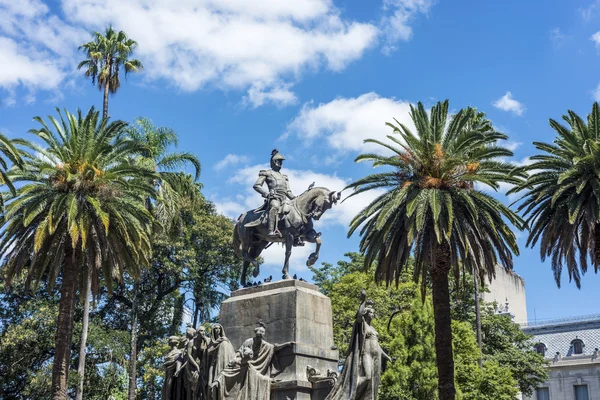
{"x": 561, "y": 203}
{"x": 171, "y": 186}
{"x": 107, "y": 55}
{"x": 9, "y": 151}
{"x": 431, "y": 208}
{"x": 80, "y": 211}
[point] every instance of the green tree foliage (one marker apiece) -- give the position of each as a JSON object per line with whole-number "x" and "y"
{"x": 432, "y": 210}
{"x": 413, "y": 375}
{"x": 107, "y": 55}
{"x": 561, "y": 200}
{"x": 506, "y": 344}
{"x": 27, "y": 333}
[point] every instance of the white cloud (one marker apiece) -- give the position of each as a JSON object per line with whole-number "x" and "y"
{"x": 588, "y": 12}
{"x": 596, "y": 93}
{"x": 596, "y": 38}
{"x": 37, "y": 47}
{"x": 232, "y": 43}
{"x": 21, "y": 67}
{"x": 230, "y": 160}
{"x": 400, "y": 13}
{"x": 512, "y": 146}
{"x": 280, "y": 95}
{"x": 507, "y": 103}
{"x": 346, "y": 122}
{"x": 557, "y": 37}
{"x": 261, "y": 48}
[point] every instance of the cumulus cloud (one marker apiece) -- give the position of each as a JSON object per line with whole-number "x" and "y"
{"x": 37, "y": 47}
{"x": 399, "y": 15}
{"x": 261, "y": 48}
{"x": 596, "y": 93}
{"x": 232, "y": 44}
{"x": 507, "y": 103}
{"x": 279, "y": 95}
{"x": 346, "y": 122}
{"x": 231, "y": 159}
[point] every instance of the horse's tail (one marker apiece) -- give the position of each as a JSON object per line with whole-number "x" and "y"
{"x": 237, "y": 241}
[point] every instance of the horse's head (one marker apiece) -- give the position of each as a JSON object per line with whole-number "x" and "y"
{"x": 323, "y": 202}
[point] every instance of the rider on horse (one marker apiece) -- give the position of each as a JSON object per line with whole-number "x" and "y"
{"x": 278, "y": 192}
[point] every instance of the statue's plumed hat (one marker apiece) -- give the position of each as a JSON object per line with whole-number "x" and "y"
{"x": 276, "y": 155}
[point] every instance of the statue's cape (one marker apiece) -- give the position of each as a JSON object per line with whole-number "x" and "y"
{"x": 261, "y": 218}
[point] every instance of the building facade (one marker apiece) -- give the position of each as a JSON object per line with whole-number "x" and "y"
{"x": 571, "y": 346}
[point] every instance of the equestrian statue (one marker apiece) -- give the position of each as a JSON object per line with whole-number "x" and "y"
{"x": 283, "y": 218}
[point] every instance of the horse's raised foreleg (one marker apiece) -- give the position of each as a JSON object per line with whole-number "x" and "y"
{"x": 313, "y": 237}
{"x": 289, "y": 241}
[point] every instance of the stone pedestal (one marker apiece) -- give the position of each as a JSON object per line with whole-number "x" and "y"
{"x": 292, "y": 311}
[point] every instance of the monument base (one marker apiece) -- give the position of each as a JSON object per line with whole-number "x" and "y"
{"x": 292, "y": 311}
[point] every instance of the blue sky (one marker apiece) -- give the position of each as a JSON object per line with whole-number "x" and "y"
{"x": 237, "y": 78}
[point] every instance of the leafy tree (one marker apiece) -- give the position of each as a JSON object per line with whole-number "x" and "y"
{"x": 432, "y": 209}
{"x": 507, "y": 345}
{"x": 27, "y": 333}
{"x": 108, "y": 54}
{"x": 561, "y": 201}
{"x": 491, "y": 382}
{"x": 80, "y": 211}
{"x": 413, "y": 375}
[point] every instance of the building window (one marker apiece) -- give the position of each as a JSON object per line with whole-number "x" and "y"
{"x": 542, "y": 393}
{"x": 581, "y": 392}
{"x": 540, "y": 348}
{"x": 577, "y": 346}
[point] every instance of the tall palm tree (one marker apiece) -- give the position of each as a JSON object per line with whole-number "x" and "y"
{"x": 561, "y": 202}
{"x": 80, "y": 211}
{"x": 431, "y": 208}
{"x": 107, "y": 55}
{"x": 171, "y": 184}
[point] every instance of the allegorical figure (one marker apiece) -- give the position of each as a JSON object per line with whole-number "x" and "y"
{"x": 202, "y": 342}
{"x": 190, "y": 367}
{"x": 248, "y": 375}
{"x": 277, "y": 191}
{"x": 170, "y": 390}
{"x": 361, "y": 374}
{"x": 219, "y": 353}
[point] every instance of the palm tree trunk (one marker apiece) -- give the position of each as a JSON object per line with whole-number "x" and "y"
{"x": 478, "y": 319}
{"x": 84, "y": 334}
{"x": 443, "y": 324}
{"x": 105, "y": 104}
{"x": 64, "y": 327}
{"x": 133, "y": 353}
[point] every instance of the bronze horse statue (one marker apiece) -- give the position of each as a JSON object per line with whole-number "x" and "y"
{"x": 295, "y": 224}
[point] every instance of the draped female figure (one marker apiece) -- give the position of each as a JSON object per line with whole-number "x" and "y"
{"x": 361, "y": 373}
{"x": 220, "y": 352}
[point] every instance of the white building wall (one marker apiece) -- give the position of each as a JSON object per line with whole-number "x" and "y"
{"x": 508, "y": 286}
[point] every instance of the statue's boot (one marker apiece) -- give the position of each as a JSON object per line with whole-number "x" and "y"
{"x": 272, "y": 222}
